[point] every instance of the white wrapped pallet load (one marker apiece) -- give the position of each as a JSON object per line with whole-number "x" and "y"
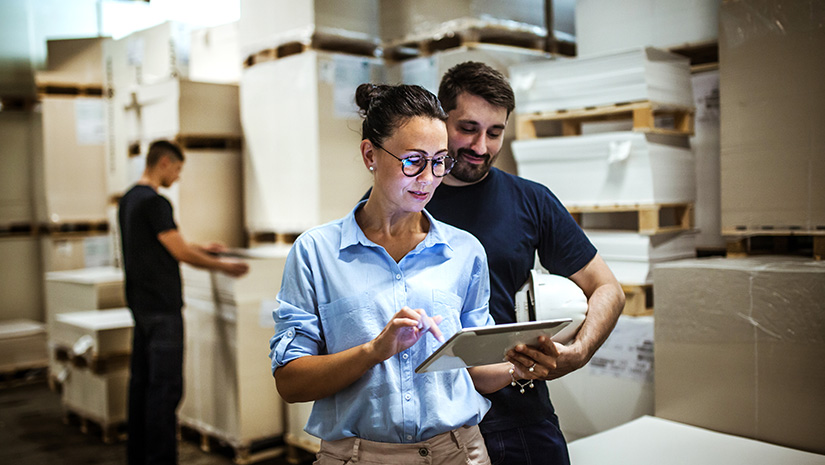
{"x": 615, "y": 168}
{"x": 631, "y": 256}
{"x": 302, "y": 134}
{"x": 265, "y": 24}
{"x": 215, "y": 54}
{"x": 22, "y": 345}
{"x": 646, "y": 74}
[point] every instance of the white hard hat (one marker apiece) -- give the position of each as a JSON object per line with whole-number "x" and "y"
{"x": 549, "y": 297}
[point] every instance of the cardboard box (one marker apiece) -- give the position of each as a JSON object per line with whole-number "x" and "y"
{"x": 644, "y": 74}
{"x": 22, "y": 345}
{"x": 773, "y": 171}
{"x": 615, "y": 168}
{"x": 77, "y": 62}
{"x": 85, "y": 289}
{"x": 706, "y": 147}
{"x": 215, "y": 54}
{"x": 632, "y": 256}
{"x": 265, "y": 24}
{"x": 614, "y": 388}
{"x": 410, "y": 20}
{"x": 603, "y": 26}
{"x": 76, "y": 251}
{"x": 427, "y": 72}
{"x": 148, "y": 56}
{"x": 70, "y": 178}
{"x": 740, "y": 348}
{"x": 652, "y": 441}
{"x": 18, "y": 130}
{"x": 22, "y": 283}
{"x": 95, "y": 334}
{"x": 303, "y": 166}
{"x": 229, "y": 392}
{"x": 180, "y": 107}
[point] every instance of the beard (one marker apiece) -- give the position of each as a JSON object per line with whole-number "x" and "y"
{"x": 468, "y": 172}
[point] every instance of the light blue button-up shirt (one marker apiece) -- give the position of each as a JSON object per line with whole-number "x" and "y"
{"x": 340, "y": 289}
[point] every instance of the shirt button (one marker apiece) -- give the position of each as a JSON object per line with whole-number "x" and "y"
{"x": 289, "y": 334}
{"x": 405, "y": 356}
{"x": 409, "y": 437}
{"x": 398, "y": 276}
{"x": 423, "y": 452}
{"x": 407, "y": 396}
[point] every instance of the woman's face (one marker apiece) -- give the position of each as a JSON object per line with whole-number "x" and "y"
{"x": 421, "y": 137}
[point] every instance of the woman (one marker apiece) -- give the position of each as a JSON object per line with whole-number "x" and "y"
{"x": 367, "y": 298}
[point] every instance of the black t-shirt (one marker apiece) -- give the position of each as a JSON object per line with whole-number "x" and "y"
{"x": 513, "y": 218}
{"x": 153, "y": 283}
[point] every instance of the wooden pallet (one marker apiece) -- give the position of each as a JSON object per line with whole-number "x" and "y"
{"x": 270, "y": 238}
{"x": 74, "y": 227}
{"x": 109, "y": 432}
{"x": 18, "y": 229}
{"x": 23, "y": 375}
{"x": 639, "y": 300}
{"x": 70, "y": 90}
{"x": 299, "y": 450}
{"x": 703, "y": 56}
{"x": 318, "y": 42}
{"x": 14, "y": 103}
{"x": 643, "y": 114}
{"x": 471, "y": 36}
{"x": 241, "y": 454}
{"x": 217, "y": 142}
{"x": 652, "y": 219}
{"x": 779, "y": 241}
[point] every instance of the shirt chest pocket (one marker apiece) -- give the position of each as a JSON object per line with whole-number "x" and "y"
{"x": 349, "y": 322}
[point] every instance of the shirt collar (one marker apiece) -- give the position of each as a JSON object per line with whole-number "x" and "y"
{"x": 351, "y": 233}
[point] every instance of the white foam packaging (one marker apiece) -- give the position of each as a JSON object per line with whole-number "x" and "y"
{"x": 265, "y": 24}
{"x": 614, "y": 168}
{"x": 604, "y": 26}
{"x": 643, "y": 74}
{"x": 615, "y": 387}
{"x": 651, "y": 441}
{"x": 303, "y": 165}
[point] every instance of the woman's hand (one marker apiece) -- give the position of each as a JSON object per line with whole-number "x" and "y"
{"x": 402, "y": 332}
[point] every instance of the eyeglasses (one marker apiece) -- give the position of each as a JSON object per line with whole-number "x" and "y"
{"x": 414, "y": 165}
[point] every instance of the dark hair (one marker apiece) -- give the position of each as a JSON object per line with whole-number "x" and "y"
{"x": 477, "y": 79}
{"x": 386, "y": 108}
{"x": 159, "y": 148}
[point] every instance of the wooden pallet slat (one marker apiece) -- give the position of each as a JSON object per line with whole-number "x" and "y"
{"x": 652, "y": 219}
{"x": 69, "y": 89}
{"x": 643, "y": 115}
{"x": 110, "y": 433}
{"x": 242, "y": 454}
{"x": 638, "y": 300}
{"x": 469, "y": 36}
{"x": 775, "y": 241}
{"x": 319, "y": 42}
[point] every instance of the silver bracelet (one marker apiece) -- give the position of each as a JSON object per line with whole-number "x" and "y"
{"x": 518, "y": 383}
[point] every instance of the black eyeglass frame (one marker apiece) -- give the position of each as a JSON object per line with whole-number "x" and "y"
{"x": 424, "y": 166}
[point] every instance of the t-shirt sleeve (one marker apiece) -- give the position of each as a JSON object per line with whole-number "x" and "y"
{"x": 563, "y": 248}
{"x": 159, "y": 215}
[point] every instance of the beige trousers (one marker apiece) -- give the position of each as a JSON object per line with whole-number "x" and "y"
{"x": 463, "y": 446}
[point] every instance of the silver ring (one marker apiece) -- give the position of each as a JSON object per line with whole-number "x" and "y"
{"x": 532, "y": 368}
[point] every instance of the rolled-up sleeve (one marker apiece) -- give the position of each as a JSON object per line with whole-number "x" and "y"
{"x": 297, "y": 329}
{"x": 476, "y": 310}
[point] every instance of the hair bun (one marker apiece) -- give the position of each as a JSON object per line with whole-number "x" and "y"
{"x": 365, "y": 95}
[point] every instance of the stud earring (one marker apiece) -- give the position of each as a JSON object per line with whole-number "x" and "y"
{"x": 372, "y": 168}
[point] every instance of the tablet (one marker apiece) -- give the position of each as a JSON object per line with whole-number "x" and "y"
{"x": 488, "y": 344}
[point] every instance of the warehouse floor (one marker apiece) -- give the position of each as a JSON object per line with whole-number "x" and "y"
{"x": 32, "y": 431}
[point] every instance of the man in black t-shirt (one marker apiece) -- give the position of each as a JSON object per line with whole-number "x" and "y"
{"x": 152, "y": 248}
{"x": 514, "y": 219}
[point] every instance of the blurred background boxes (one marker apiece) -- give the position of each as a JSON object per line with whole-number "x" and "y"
{"x": 22, "y": 345}
{"x": 215, "y": 54}
{"x": 739, "y": 347}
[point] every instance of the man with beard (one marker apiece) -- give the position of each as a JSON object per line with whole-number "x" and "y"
{"x": 514, "y": 219}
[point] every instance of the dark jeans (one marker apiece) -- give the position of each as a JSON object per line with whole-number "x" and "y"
{"x": 155, "y": 388}
{"x": 537, "y": 444}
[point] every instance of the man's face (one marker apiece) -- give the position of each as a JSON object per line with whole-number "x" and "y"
{"x": 171, "y": 171}
{"x": 476, "y": 131}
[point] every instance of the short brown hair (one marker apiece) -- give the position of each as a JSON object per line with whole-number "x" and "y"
{"x": 159, "y": 148}
{"x": 477, "y": 79}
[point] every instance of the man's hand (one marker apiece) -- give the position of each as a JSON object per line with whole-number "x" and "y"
{"x": 234, "y": 268}
{"x": 549, "y": 360}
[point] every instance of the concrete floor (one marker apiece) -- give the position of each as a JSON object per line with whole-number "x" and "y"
{"x": 32, "y": 431}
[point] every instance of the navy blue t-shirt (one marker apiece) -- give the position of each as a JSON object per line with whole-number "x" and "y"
{"x": 513, "y": 218}
{"x": 153, "y": 283}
